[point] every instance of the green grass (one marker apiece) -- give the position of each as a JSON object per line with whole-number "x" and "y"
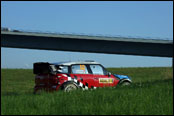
{"x": 150, "y": 93}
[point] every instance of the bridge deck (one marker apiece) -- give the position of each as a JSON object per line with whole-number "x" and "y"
{"x": 84, "y": 43}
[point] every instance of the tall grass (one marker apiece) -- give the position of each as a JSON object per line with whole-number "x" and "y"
{"x": 150, "y": 93}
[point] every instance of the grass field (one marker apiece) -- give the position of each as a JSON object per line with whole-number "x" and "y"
{"x": 150, "y": 93}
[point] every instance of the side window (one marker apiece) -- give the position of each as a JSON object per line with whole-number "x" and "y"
{"x": 65, "y": 69}
{"x": 62, "y": 69}
{"x": 97, "y": 69}
{"x": 79, "y": 69}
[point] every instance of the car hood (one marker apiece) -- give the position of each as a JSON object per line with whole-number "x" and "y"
{"x": 122, "y": 76}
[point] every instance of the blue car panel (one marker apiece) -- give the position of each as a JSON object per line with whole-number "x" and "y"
{"x": 122, "y": 77}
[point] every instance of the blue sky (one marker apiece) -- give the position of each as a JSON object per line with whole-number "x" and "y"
{"x": 144, "y": 19}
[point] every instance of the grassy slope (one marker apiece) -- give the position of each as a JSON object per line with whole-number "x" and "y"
{"x": 151, "y": 93}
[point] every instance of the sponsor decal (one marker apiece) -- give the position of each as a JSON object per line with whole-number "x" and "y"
{"x": 106, "y": 80}
{"x": 82, "y": 67}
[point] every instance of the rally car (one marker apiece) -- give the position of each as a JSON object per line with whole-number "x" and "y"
{"x": 70, "y": 76}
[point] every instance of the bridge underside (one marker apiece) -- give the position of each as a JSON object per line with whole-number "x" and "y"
{"x": 87, "y": 45}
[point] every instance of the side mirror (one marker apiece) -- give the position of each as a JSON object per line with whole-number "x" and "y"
{"x": 109, "y": 74}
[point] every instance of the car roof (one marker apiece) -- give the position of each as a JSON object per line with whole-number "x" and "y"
{"x": 77, "y": 62}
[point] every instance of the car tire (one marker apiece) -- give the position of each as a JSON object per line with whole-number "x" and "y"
{"x": 69, "y": 87}
{"x": 125, "y": 83}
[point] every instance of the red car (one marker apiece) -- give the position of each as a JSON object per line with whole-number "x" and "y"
{"x": 69, "y": 76}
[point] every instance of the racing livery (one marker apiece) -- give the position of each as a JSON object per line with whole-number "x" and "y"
{"x": 69, "y": 76}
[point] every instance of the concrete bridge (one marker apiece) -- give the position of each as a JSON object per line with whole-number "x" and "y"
{"x": 84, "y": 43}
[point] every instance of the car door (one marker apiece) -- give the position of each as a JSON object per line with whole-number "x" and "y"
{"x": 101, "y": 79}
{"x": 82, "y": 74}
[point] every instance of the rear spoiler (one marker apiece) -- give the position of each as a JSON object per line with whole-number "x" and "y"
{"x": 41, "y": 68}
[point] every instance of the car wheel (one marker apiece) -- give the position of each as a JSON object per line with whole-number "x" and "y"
{"x": 125, "y": 83}
{"x": 69, "y": 87}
